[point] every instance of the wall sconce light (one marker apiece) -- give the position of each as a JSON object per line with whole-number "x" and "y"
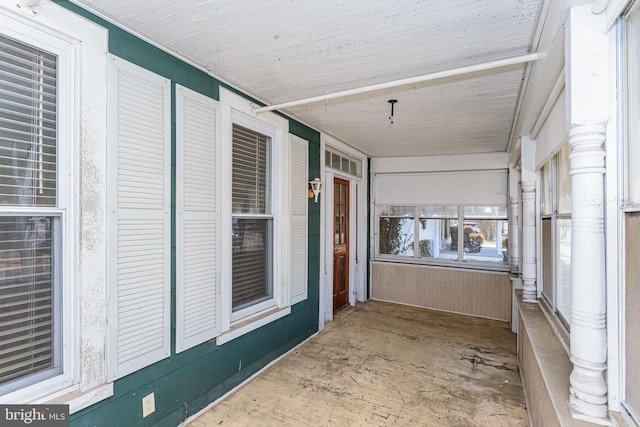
{"x": 29, "y": 7}
{"x": 316, "y": 186}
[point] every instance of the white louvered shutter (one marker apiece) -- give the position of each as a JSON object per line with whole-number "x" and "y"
{"x": 197, "y": 289}
{"x": 139, "y": 198}
{"x": 299, "y": 178}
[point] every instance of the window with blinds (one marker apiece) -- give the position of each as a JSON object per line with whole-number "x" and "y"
{"x": 29, "y": 216}
{"x": 252, "y": 218}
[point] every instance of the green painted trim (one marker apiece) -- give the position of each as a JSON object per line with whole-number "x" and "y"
{"x": 206, "y": 372}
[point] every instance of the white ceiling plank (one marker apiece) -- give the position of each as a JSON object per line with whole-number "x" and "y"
{"x": 279, "y": 50}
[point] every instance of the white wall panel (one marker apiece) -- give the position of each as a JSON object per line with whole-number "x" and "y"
{"x": 553, "y": 133}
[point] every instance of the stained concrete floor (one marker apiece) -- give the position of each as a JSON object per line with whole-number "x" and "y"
{"x": 382, "y": 364}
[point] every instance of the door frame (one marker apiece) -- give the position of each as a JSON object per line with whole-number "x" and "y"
{"x": 358, "y": 222}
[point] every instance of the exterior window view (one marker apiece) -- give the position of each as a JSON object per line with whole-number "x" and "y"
{"x": 350, "y": 213}
{"x": 432, "y": 233}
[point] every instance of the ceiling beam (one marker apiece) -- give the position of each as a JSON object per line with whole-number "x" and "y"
{"x": 409, "y": 81}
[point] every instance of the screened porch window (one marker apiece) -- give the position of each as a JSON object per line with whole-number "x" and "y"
{"x": 430, "y": 233}
{"x": 555, "y": 217}
{"x": 30, "y": 217}
{"x": 252, "y": 218}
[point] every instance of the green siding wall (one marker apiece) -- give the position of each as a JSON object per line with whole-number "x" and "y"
{"x": 187, "y": 382}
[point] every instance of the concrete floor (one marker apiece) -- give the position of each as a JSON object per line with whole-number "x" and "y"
{"x": 382, "y": 364}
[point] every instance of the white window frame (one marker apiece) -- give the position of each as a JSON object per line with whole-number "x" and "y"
{"x": 239, "y": 110}
{"x": 272, "y": 190}
{"x": 460, "y": 262}
{"x": 81, "y": 48}
{"x": 554, "y": 217}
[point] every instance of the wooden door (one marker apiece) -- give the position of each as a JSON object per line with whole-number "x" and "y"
{"x": 340, "y": 244}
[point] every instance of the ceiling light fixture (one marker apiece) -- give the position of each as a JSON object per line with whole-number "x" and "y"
{"x": 29, "y": 7}
{"x": 392, "y": 102}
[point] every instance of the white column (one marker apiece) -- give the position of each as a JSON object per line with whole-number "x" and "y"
{"x": 514, "y": 197}
{"x": 529, "y": 289}
{"x": 588, "y": 391}
{"x": 587, "y": 65}
{"x": 529, "y": 268}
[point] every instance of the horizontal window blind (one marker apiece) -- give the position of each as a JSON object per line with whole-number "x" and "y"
{"x": 26, "y": 296}
{"x": 250, "y": 180}
{"x": 252, "y": 237}
{"x": 27, "y": 125}
{"x": 251, "y": 262}
{"x": 28, "y": 167}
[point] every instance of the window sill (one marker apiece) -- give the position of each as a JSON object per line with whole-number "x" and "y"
{"x": 461, "y": 265}
{"x": 78, "y": 400}
{"x": 255, "y": 322}
{"x": 60, "y": 393}
{"x": 545, "y": 367}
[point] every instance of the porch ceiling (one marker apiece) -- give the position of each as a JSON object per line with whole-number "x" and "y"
{"x": 284, "y": 50}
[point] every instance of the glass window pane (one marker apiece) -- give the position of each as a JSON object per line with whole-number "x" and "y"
{"x": 386, "y": 210}
{"x": 345, "y": 165}
{"x": 251, "y": 262}
{"x": 434, "y": 240}
{"x": 438, "y": 212}
{"x": 396, "y": 236}
{"x": 633, "y": 96}
{"x": 251, "y": 176}
{"x": 485, "y": 211}
{"x": 327, "y": 158}
{"x": 564, "y": 181}
{"x": 563, "y": 268}
{"x": 546, "y": 198}
{"x": 26, "y": 296}
{"x": 27, "y": 125}
{"x": 547, "y": 260}
{"x": 335, "y": 161}
{"x": 483, "y": 240}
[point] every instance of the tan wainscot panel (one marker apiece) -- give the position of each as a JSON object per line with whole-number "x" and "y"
{"x": 477, "y": 293}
